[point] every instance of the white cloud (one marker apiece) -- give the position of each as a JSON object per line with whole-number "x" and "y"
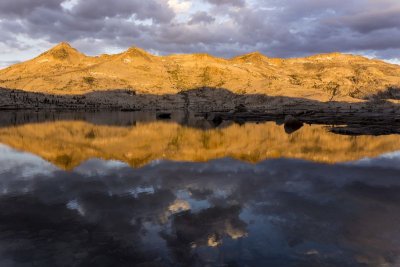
{"x": 180, "y": 6}
{"x": 394, "y": 61}
{"x": 27, "y": 164}
{"x": 69, "y": 4}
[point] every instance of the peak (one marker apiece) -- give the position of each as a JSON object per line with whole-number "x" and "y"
{"x": 253, "y": 56}
{"x": 256, "y": 53}
{"x": 135, "y": 48}
{"x": 63, "y": 45}
{"x": 137, "y": 51}
{"x": 62, "y": 51}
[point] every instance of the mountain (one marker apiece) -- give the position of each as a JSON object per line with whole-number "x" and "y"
{"x": 64, "y": 70}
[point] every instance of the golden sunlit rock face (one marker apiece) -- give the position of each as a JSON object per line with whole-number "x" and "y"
{"x": 64, "y": 70}
{"x": 67, "y": 144}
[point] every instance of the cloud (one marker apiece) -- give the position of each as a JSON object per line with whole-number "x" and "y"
{"x": 370, "y": 21}
{"x": 224, "y": 28}
{"x": 201, "y": 17}
{"x": 304, "y": 214}
{"x": 26, "y": 7}
{"x": 179, "y": 6}
{"x": 238, "y": 3}
{"x": 156, "y": 10}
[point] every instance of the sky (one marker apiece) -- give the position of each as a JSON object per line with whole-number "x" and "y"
{"x": 225, "y": 28}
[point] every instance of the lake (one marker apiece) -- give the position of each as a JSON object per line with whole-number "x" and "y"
{"x": 126, "y": 189}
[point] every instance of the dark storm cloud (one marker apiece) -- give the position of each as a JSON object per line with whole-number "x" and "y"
{"x": 24, "y": 7}
{"x": 222, "y": 27}
{"x": 95, "y": 9}
{"x": 373, "y": 20}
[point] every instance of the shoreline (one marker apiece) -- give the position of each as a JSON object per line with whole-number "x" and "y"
{"x": 375, "y": 117}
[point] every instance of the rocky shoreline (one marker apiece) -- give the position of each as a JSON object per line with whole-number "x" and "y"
{"x": 346, "y": 123}
{"x": 376, "y": 117}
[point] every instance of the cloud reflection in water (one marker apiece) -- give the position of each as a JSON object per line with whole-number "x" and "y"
{"x": 275, "y": 213}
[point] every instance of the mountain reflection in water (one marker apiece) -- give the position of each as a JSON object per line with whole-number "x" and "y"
{"x": 67, "y": 144}
{"x": 74, "y": 193}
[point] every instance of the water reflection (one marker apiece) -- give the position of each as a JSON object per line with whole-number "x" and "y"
{"x": 220, "y": 213}
{"x": 130, "y": 191}
{"x": 69, "y": 143}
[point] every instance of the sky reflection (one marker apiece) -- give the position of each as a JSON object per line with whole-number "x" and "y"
{"x": 276, "y": 213}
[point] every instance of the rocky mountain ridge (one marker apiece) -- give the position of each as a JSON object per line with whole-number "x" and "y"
{"x": 63, "y": 70}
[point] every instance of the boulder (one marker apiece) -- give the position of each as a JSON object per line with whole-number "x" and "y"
{"x": 215, "y": 119}
{"x": 292, "y": 124}
{"x": 164, "y": 116}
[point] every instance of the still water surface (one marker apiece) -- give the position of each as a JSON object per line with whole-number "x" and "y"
{"x": 127, "y": 190}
